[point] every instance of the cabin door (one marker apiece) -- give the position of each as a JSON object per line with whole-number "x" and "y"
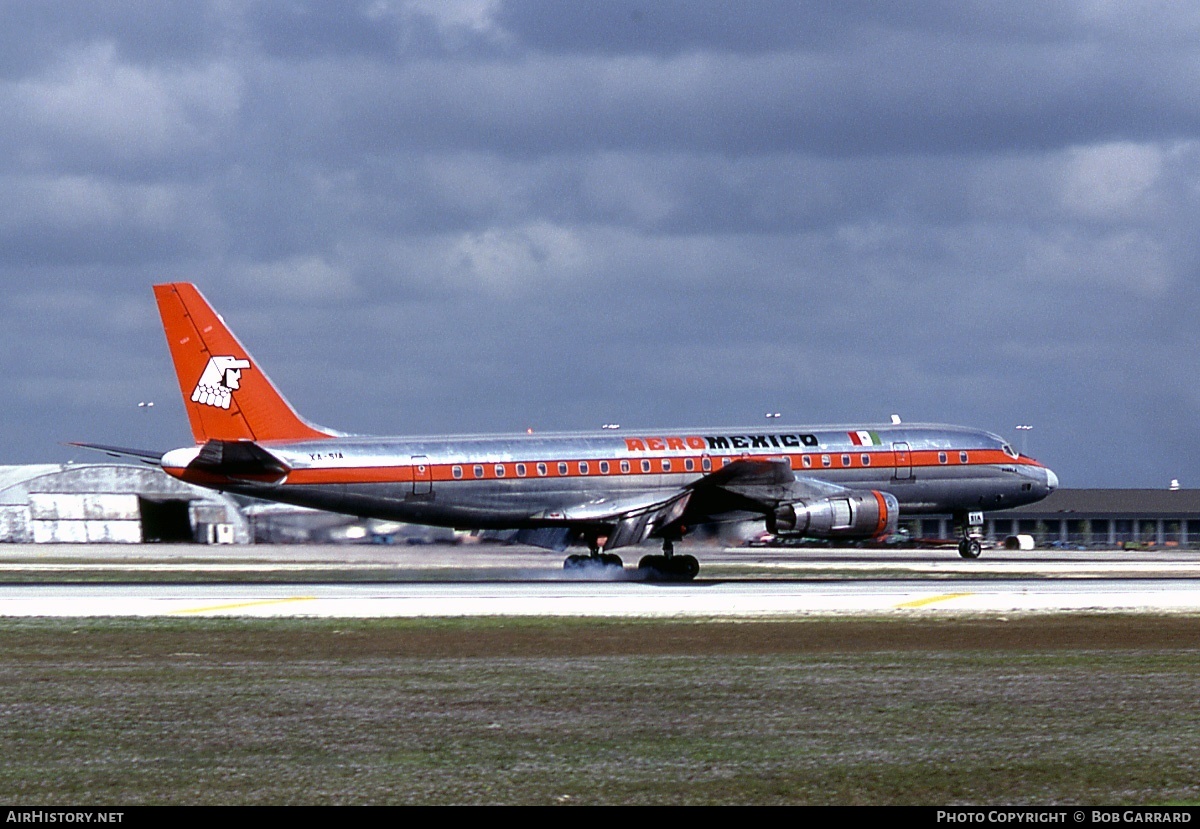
{"x": 422, "y": 480}
{"x": 903, "y": 459}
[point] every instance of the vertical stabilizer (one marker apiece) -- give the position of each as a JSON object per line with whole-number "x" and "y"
{"x": 226, "y": 394}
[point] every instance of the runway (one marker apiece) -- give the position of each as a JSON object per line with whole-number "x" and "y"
{"x": 190, "y": 581}
{"x": 602, "y": 599}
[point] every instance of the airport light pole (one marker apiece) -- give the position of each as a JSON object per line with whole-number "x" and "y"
{"x": 1024, "y": 429}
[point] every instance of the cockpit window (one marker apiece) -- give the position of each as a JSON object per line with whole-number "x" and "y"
{"x": 1008, "y": 450}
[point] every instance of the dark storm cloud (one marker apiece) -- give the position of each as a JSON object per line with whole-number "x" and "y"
{"x": 36, "y": 35}
{"x": 470, "y": 215}
{"x": 744, "y": 26}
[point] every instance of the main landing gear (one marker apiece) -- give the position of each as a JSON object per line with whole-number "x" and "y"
{"x": 668, "y": 566}
{"x": 665, "y": 567}
{"x": 594, "y": 560}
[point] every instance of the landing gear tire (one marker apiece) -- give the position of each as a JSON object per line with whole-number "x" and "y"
{"x": 687, "y": 566}
{"x": 970, "y": 548}
{"x": 675, "y": 568}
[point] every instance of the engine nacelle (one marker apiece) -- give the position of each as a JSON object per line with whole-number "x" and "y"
{"x": 868, "y": 514}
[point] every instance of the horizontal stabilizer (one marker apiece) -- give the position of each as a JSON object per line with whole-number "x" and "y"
{"x": 144, "y": 455}
{"x": 239, "y": 459}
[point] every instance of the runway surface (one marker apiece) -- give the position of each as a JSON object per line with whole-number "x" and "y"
{"x": 622, "y": 599}
{"x": 429, "y": 581}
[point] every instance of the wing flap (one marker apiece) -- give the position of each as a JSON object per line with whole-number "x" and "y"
{"x": 627, "y": 521}
{"x": 634, "y": 528}
{"x": 548, "y": 538}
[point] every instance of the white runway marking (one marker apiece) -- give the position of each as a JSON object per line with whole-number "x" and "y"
{"x": 622, "y": 599}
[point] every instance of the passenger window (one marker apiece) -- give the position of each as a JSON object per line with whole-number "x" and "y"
{"x": 706, "y": 464}
{"x": 478, "y": 471}
{"x": 689, "y": 465}
{"x": 806, "y": 461}
{"x": 562, "y": 469}
{"x": 541, "y": 469}
{"x": 825, "y": 461}
{"x": 583, "y": 467}
{"x": 603, "y": 467}
{"x": 520, "y": 470}
{"x": 645, "y": 466}
{"x": 499, "y": 470}
{"x": 456, "y": 472}
{"x": 962, "y": 457}
{"x": 666, "y": 465}
{"x": 942, "y": 457}
{"x": 845, "y": 460}
{"x": 625, "y": 467}
{"x": 866, "y": 460}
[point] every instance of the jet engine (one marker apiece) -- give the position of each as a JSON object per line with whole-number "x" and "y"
{"x": 867, "y": 514}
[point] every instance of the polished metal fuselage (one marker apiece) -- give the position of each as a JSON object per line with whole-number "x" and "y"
{"x": 521, "y": 481}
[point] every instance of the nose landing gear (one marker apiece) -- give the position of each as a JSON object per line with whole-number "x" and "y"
{"x": 970, "y": 548}
{"x": 971, "y": 526}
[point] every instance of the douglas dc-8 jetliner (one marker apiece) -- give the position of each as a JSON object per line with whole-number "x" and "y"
{"x": 605, "y": 490}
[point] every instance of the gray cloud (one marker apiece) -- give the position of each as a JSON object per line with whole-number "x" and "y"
{"x": 470, "y": 216}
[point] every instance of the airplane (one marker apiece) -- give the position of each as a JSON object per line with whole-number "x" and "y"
{"x": 605, "y": 490}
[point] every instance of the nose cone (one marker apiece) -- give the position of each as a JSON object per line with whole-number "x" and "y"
{"x": 1051, "y": 482}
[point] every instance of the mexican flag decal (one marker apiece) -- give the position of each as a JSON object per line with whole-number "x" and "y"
{"x": 864, "y": 438}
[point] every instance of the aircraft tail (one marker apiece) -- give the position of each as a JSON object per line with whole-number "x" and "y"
{"x": 226, "y": 394}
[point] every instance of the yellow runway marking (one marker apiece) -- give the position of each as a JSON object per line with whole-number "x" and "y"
{"x": 218, "y": 607}
{"x": 933, "y": 599}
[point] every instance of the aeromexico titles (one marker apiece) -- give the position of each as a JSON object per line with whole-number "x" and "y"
{"x": 602, "y": 490}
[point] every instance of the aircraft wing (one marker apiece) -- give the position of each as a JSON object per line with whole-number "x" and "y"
{"x": 749, "y": 487}
{"x": 753, "y": 488}
{"x": 631, "y": 519}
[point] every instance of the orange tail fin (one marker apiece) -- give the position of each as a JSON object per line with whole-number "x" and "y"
{"x": 226, "y": 394}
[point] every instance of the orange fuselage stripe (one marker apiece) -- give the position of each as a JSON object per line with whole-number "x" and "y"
{"x": 816, "y": 462}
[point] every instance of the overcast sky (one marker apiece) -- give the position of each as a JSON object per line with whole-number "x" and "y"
{"x": 440, "y": 216}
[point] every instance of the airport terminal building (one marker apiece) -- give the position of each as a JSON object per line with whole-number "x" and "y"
{"x": 1092, "y": 518}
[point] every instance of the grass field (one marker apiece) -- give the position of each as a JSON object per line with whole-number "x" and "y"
{"x": 1034, "y": 710}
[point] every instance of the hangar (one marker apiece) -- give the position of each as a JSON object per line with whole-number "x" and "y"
{"x": 114, "y": 503}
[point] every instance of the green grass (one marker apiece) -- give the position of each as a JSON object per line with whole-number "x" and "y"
{"x": 1039, "y": 710}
